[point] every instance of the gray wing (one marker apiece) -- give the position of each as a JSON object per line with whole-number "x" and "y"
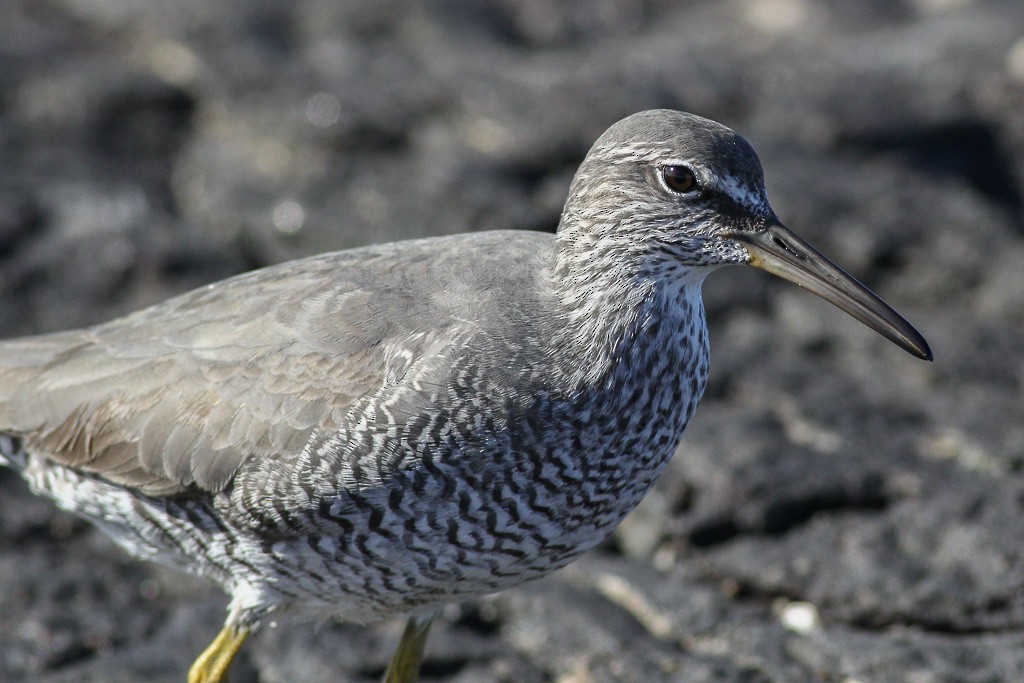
{"x": 175, "y": 397}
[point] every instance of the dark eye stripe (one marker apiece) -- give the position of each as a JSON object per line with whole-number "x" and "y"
{"x": 726, "y": 207}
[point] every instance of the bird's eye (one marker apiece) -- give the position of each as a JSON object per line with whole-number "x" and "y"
{"x": 679, "y": 178}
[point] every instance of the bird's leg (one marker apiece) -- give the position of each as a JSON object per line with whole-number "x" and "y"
{"x": 405, "y": 664}
{"x": 212, "y": 665}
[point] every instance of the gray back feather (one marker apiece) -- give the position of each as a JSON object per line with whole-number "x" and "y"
{"x": 173, "y": 398}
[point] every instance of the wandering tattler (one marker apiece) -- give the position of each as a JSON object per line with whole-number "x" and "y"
{"x": 384, "y": 430}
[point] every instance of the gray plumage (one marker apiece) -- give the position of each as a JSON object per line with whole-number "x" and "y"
{"x": 371, "y": 431}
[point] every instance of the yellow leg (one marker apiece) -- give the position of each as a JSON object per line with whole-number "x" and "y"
{"x": 405, "y": 664}
{"x": 212, "y": 665}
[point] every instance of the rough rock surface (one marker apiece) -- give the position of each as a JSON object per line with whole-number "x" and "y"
{"x": 838, "y": 511}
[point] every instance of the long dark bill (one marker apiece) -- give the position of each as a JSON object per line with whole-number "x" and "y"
{"x": 780, "y": 252}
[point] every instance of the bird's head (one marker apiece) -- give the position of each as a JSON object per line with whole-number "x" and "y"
{"x": 679, "y": 195}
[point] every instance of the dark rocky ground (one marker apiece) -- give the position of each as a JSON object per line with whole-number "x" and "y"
{"x": 838, "y": 511}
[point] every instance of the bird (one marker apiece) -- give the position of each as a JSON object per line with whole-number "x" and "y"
{"x": 381, "y": 431}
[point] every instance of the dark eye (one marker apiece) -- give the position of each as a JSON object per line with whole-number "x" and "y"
{"x": 679, "y": 178}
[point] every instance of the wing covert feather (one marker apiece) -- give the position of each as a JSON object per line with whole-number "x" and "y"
{"x": 134, "y": 400}
{"x": 171, "y": 399}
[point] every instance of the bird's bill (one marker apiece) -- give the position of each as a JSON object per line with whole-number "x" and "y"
{"x": 780, "y": 252}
